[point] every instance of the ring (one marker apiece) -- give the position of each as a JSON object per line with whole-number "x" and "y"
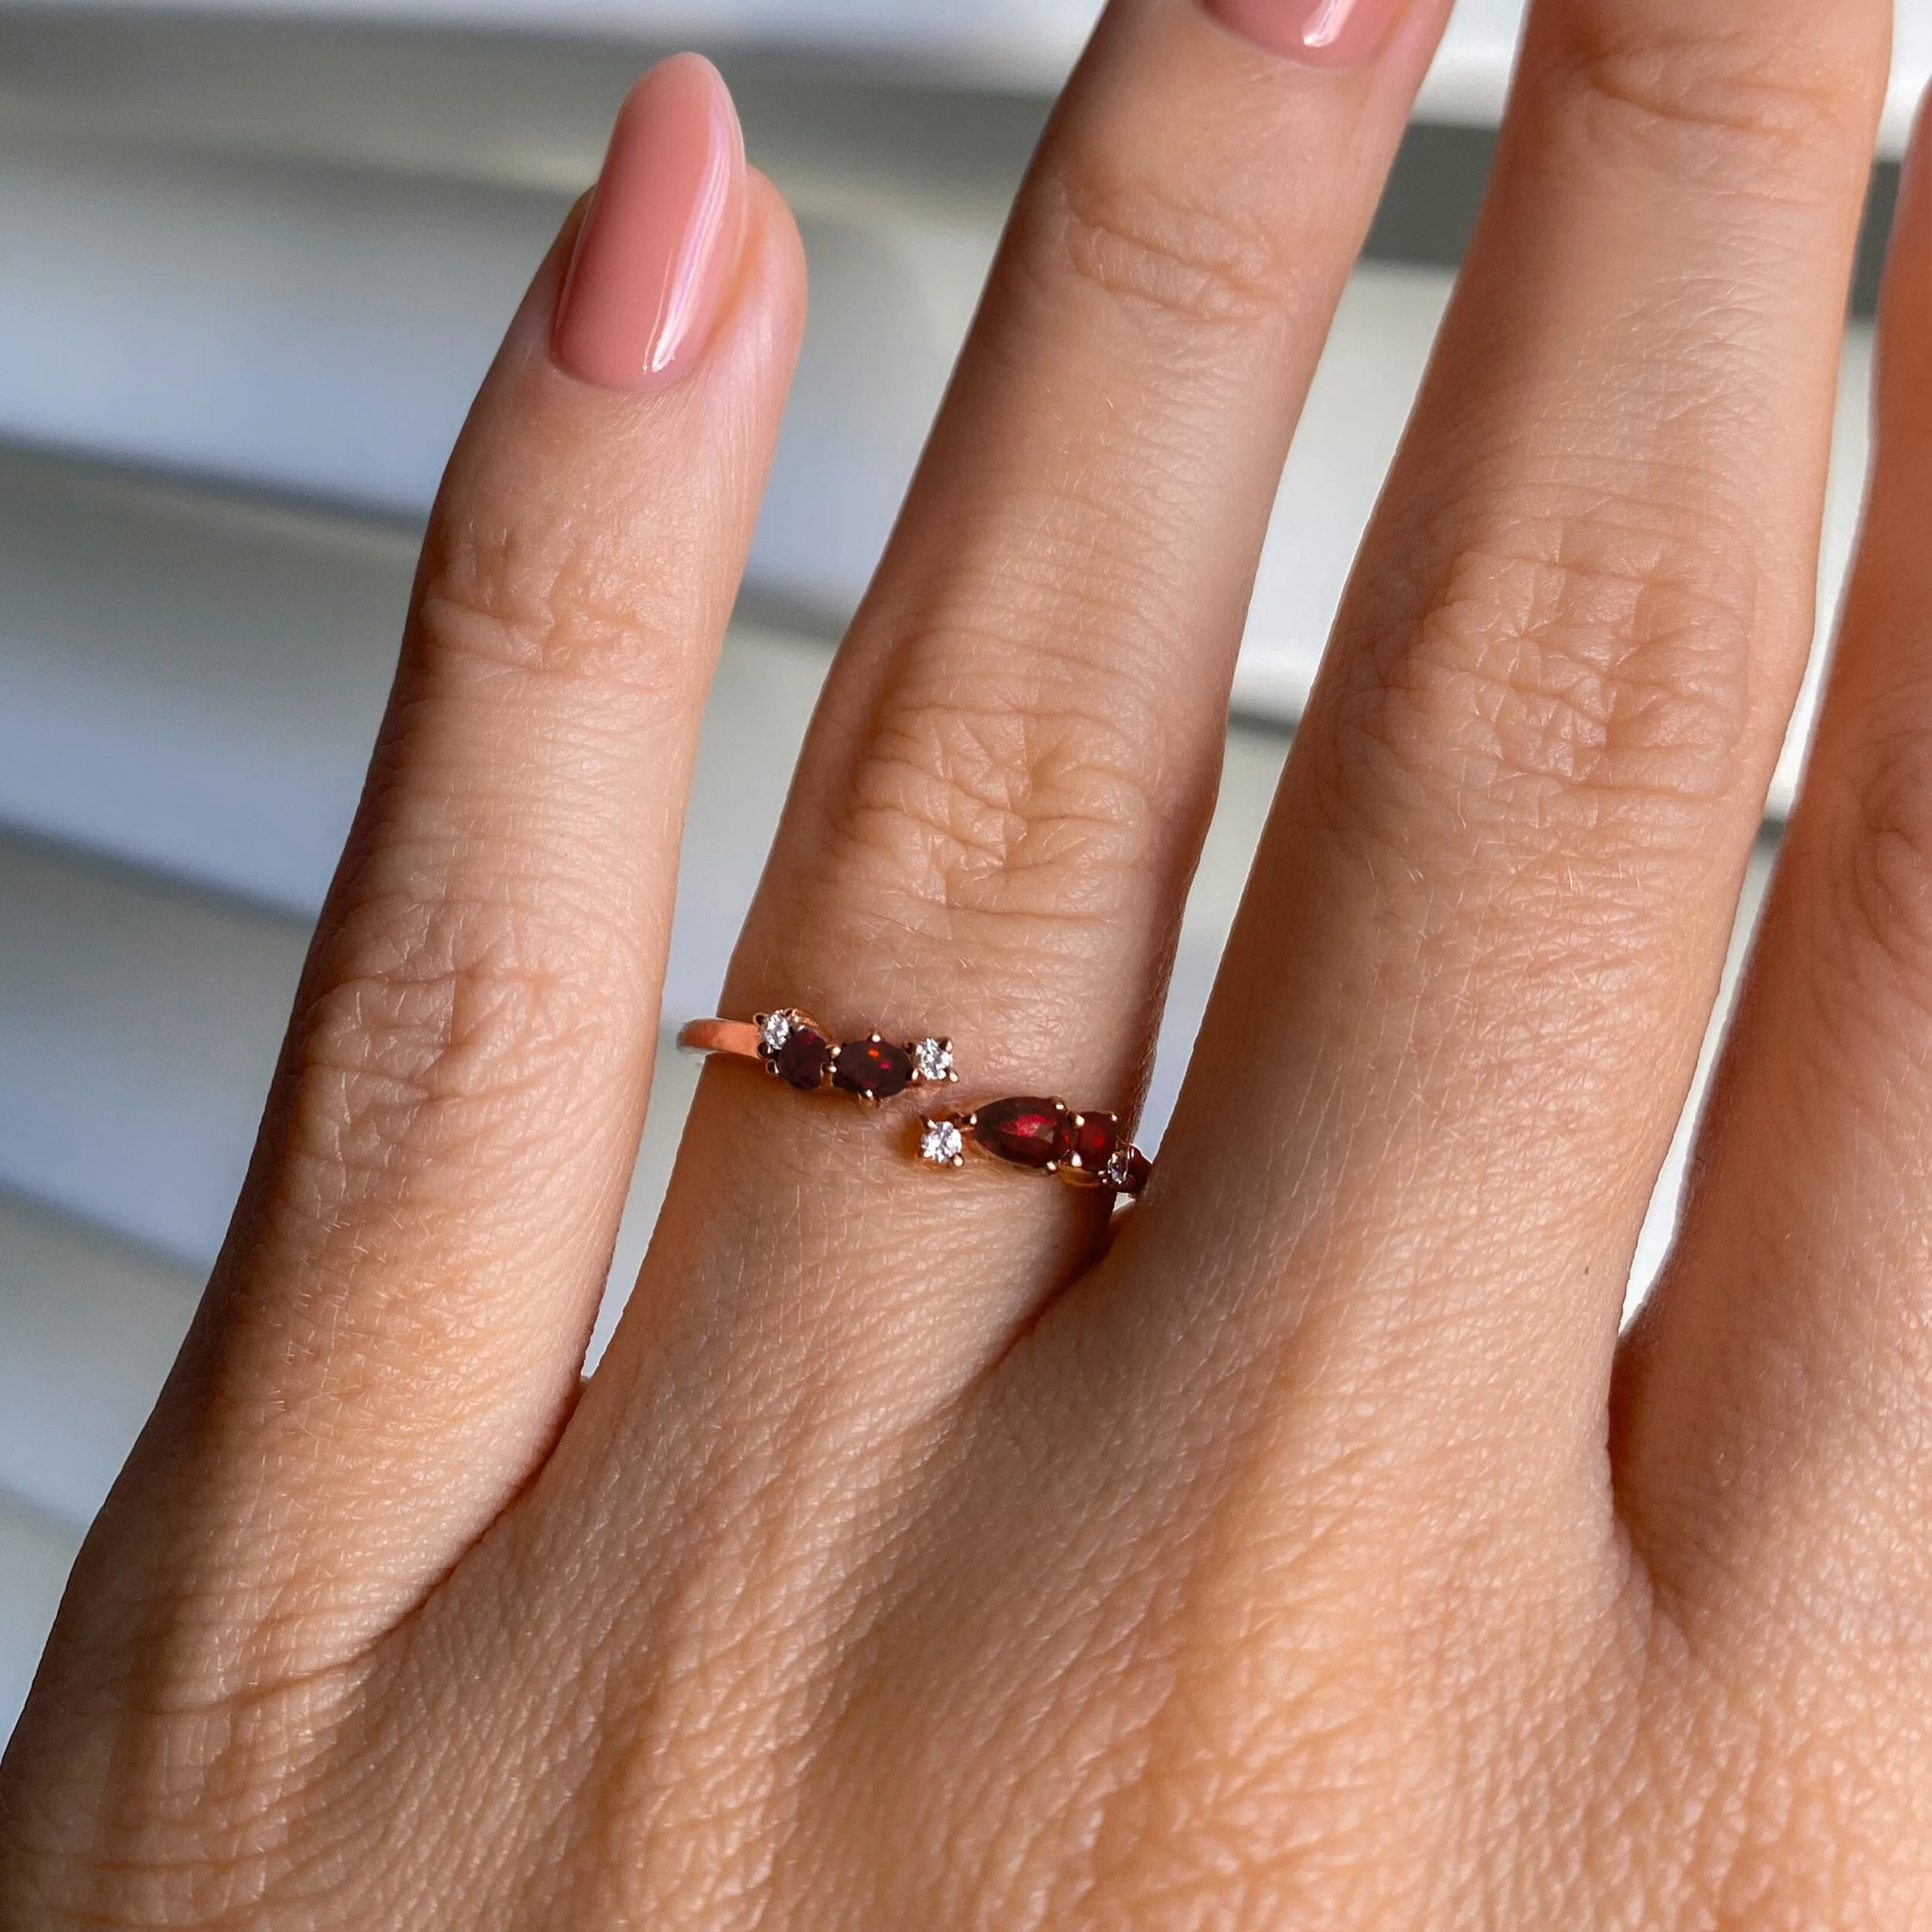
{"x": 1044, "y": 1135}
{"x": 794, "y": 1048}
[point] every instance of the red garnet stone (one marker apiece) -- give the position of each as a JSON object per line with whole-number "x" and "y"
{"x": 1029, "y": 1132}
{"x": 1095, "y": 1137}
{"x": 802, "y": 1060}
{"x": 874, "y": 1069}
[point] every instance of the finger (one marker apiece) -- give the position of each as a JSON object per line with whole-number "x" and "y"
{"x": 1775, "y": 1396}
{"x": 396, "y": 1324}
{"x": 1464, "y": 1001}
{"x": 1005, "y": 788}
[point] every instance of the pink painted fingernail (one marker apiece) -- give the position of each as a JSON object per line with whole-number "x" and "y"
{"x": 1317, "y": 33}
{"x": 660, "y": 239}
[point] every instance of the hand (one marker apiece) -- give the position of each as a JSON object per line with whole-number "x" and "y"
{"x": 1299, "y": 1549}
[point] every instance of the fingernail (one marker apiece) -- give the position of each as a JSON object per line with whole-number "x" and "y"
{"x": 1317, "y": 33}
{"x": 661, "y": 238}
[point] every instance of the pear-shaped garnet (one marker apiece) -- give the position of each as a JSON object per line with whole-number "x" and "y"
{"x": 1029, "y": 1132}
{"x": 1096, "y": 1136}
{"x": 873, "y": 1069}
{"x": 801, "y": 1061}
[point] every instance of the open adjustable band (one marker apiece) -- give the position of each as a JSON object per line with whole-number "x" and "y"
{"x": 1043, "y": 1136}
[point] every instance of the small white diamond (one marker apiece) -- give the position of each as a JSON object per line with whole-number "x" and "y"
{"x": 942, "y": 1143}
{"x": 773, "y": 1030}
{"x": 933, "y": 1060}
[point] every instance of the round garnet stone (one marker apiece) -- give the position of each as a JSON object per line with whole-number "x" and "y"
{"x": 802, "y": 1060}
{"x": 1029, "y": 1132}
{"x": 1095, "y": 1138}
{"x": 875, "y": 1068}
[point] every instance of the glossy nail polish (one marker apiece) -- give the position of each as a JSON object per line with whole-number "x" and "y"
{"x": 1316, "y": 33}
{"x": 660, "y": 242}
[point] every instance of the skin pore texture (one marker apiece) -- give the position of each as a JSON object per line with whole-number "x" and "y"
{"x": 1303, "y": 1546}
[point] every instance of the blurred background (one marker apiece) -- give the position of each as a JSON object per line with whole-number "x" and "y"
{"x": 253, "y": 259}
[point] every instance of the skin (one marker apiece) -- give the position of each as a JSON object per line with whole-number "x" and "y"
{"x": 1306, "y": 1550}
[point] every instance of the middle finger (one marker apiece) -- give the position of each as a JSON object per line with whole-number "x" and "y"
{"x": 1005, "y": 791}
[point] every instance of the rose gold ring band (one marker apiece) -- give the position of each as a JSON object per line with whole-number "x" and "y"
{"x": 736, "y": 1037}
{"x": 1044, "y": 1136}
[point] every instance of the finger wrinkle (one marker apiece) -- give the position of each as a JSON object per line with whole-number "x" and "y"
{"x": 1588, "y": 666}
{"x": 437, "y": 1035}
{"x": 1879, "y": 872}
{"x": 1768, "y": 97}
{"x": 1177, "y": 263}
{"x": 556, "y": 604}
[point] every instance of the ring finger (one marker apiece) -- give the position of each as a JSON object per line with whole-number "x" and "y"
{"x": 1466, "y": 996}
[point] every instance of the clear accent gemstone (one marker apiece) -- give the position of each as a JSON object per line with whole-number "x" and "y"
{"x": 773, "y": 1030}
{"x": 942, "y": 1143}
{"x": 933, "y": 1060}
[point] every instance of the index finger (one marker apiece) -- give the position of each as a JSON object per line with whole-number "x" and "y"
{"x": 397, "y": 1321}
